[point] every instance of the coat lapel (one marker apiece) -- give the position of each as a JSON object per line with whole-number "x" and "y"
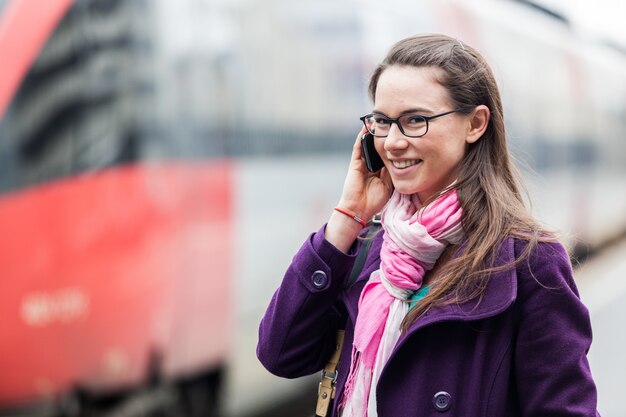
{"x": 500, "y": 294}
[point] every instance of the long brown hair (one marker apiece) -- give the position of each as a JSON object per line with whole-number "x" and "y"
{"x": 488, "y": 185}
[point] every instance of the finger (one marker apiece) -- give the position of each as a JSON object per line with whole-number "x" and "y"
{"x": 357, "y": 153}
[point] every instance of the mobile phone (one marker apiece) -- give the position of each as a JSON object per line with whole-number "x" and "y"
{"x": 372, "y": 158}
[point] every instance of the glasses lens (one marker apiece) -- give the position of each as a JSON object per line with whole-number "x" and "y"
{"x": 377, "y": 125}
{"x": 414, "y": 125}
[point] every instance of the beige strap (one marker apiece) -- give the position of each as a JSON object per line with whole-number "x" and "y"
{"x": 326, "y": 390}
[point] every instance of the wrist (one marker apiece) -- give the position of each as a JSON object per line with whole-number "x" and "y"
{"x": 342, "y": 230}
{"x": 359, "y": 208}
{"x": 354, "y": 216}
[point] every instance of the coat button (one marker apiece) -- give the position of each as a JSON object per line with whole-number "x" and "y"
{"x": 442, "y": 401}
{"x": 319, "y": 279}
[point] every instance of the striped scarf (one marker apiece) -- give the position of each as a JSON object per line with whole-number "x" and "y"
{"x": 414, "y": 238}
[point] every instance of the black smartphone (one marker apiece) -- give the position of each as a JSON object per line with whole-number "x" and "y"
{"x": 372, "y": 158}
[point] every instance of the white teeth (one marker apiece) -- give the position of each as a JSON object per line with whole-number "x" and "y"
{"x": 405, "y": 164}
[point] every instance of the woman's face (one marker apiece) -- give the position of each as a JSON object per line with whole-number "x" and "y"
{"x": 427, "y": 164}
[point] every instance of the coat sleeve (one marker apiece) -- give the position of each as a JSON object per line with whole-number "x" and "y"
{"x": 554, "y": 336}
{"x": 297, "y": 334}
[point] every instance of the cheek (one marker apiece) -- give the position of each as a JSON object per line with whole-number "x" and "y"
{"x": 453, "y": 151}
{"x": 454, "y": 154}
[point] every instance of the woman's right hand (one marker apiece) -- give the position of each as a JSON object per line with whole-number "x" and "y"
{"x": 364, "y": 193}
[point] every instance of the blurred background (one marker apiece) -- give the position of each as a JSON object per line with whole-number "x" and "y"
{"x": 162, "y": 161}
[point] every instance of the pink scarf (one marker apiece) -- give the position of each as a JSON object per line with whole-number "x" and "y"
{"x": 414, "y": 238}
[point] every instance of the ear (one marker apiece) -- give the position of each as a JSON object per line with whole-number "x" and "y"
{"x": 478, "y": 122}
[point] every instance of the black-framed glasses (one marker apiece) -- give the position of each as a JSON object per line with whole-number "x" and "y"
{"x": 411, "y": 125}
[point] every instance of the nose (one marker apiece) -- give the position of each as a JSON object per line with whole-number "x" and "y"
{"x": 395, "y": 141}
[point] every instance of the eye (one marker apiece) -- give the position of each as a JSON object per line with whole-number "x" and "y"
{"x": 414, "y": 120}
{"x": 379, "y": 120}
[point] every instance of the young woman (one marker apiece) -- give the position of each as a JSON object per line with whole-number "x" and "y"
{"x": 464, "y": 305}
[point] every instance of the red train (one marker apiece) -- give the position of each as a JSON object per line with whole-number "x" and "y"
{"x": 112, "y": 278}
{"x": 148, "y": 148}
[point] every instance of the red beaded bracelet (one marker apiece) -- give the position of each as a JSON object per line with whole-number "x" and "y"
{"x": 351, "y": 214}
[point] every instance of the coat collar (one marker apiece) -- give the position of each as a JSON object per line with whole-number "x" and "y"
{"x": 500, "y": 293}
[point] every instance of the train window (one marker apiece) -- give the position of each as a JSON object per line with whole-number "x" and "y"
{"x": 74, "y": 110}
{"x": 109, "y": 87}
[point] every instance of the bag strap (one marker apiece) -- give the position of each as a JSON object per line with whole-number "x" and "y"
{"x": 327, "y": 386}
{"x": 364, "y": 250}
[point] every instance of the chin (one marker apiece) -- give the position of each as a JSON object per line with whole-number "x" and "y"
{"x": 406, "y": 188}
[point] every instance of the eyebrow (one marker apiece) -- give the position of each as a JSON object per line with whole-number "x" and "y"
{"x": 415, "y": 110}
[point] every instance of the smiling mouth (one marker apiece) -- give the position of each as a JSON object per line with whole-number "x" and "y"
{"x": 405, "y": 164}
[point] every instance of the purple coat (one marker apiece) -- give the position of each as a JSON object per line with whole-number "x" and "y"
{"x": 521, "y": 351}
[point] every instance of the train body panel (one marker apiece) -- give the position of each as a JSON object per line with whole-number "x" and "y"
{"x": 106, "y": 273}
{"x": 25, "y": 25}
